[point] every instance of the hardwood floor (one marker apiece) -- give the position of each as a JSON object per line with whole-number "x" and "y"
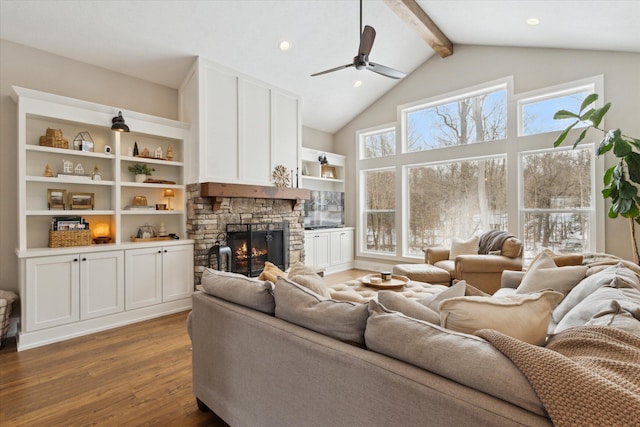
{"x": 135, "y": 375}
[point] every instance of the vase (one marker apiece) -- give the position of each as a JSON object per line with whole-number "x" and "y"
{"x": 140, "y": 177}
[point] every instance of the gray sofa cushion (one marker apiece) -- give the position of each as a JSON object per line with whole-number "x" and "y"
{"x": 587, "y": 286}
{"x": 616, "y": 317}
{"x": 408, "y": 307}
{"x": 343, "y": 320}
{"x": 243, "y": 290}
{"x": 628, "y": 299}
{"x": 466, "y": 359}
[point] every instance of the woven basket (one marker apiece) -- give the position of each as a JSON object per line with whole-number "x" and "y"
{"x": 5, "y": 314}
{"x": 54, "y": 139}
{"x": 66, "y": 238}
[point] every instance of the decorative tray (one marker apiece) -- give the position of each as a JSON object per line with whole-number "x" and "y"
{"x": 396, "y": 281}
{"x": 149, "y": 239}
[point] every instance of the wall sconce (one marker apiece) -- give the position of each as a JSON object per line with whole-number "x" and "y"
{"x": 322, "y": 158}
{"x": 101, "y": 233}
{"x": 118, "y": 123}
{"x": 168, "y": 193}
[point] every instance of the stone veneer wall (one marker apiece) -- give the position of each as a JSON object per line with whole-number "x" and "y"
{"x": 204, "y": 224}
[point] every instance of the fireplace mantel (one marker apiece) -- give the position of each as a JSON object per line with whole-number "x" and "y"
{"x": 219, "y": 189}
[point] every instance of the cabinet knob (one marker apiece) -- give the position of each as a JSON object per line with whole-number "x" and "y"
{"x": 159, "y": 252}
{"x": 165, "y": 251}
{"x": 75, "y": 260}
{"x": 84, "y": 259}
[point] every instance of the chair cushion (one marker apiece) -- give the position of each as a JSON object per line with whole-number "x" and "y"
{"x": 426, "y": 273}
{"x": 463, "y": 247}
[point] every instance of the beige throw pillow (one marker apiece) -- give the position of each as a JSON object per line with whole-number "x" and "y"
{"x": 307, "y": 277}
{"x": 397, "y": 302}
{"x": 463, "y": 247}
{"x": 343, "y": 320}
{"x": 561, "y": 279}
{"x": 525, "y": 316}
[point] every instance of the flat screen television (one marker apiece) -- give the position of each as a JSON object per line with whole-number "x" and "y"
{"x": 325, "y": 209}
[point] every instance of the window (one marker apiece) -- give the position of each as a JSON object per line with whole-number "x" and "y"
{"x": 379, "y": 143}
{"x": 380, "y": 210}
{"x": 469, "y": 119}
{"x": 557, "y": 200}
{"x": 461, "y": 198}
{"x": 536, "y": 114}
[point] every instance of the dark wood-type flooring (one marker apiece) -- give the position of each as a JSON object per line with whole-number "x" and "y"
{"x": 134, "y": 375}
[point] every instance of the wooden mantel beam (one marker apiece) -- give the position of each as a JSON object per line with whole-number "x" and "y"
{"x": 220, "y": 190}
{"x": 413, "y": 15}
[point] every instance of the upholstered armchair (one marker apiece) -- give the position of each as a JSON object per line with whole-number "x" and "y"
{"x": 497, "y": 251}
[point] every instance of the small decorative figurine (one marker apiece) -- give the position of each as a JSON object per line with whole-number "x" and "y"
{"x": 169, "y": 152}
{"x": 47, "y": 171}
{"x": 79, "y": 170}
{"x": 158, "y": 153}
{"x": 96, "y": 175}
{"x": 67, "y": 166}
{"x": 145, "y": 152}
{"x": 135, "y": 148}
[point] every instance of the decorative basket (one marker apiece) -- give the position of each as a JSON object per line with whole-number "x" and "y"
{"x": 66, "y": 238}
{"x": 54, "y": 139}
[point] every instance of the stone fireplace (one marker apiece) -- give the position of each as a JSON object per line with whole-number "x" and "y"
{"x": 211, "y": 207}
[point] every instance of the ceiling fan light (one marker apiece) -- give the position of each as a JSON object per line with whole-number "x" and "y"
{"x": 533, "y": 21}
{"x": 357, "y": 83}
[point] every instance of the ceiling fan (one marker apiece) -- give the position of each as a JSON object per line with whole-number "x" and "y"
{"x": 361, "y": 61}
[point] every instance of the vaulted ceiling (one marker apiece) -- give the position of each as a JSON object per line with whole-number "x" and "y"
{"x": 157, "y": 40}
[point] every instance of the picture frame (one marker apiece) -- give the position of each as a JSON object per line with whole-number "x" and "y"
{"x": 327, "y": 171}
{"x": 80, "y": 200}
{"x": 56, "y": 198}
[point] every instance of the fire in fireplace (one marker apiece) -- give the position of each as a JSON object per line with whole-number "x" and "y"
{"x": 254, "y": 244}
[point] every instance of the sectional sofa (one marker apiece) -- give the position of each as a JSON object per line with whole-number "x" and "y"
{"x": 284, "y": 355}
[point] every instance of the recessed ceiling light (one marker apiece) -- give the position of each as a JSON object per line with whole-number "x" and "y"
{"x": 284, "y": 45}
{"x": 358, "y": 83}
{"x": 533, "y": 21}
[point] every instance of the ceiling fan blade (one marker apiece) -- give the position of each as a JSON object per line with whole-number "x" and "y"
{"x": 366, "y": 40}
{"x": 332, "y": 70}
{"x": 385, "y": 71}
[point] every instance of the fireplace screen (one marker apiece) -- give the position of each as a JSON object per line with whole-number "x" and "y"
{"x": 254, "y": 244}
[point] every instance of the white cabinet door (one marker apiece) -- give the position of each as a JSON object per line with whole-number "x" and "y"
{"x": 341, "y": 246}
{"x": 101, "y": 284}
{"x": 320, "y": 249}
{"x": 177, "y": 272}
{"x": 52, "y": 291}
{"x": 143, "y": 277}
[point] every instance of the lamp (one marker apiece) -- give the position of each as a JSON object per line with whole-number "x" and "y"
{"x": 118, "y": 123}
{"x": 101, "y": 233}
{"x": 168, "y": 193}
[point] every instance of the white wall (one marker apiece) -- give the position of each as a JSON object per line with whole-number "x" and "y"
{"x": 532, "y": 69}
{"x": 36, "y": 69}
{"x": 317, "y": 139}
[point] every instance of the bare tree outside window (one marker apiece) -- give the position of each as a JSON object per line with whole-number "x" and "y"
{"x": 380, "y": 210}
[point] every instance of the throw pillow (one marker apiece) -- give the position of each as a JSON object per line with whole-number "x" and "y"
{"x": 561, "y": 279}
{"x": 525, "y": 316}
{"x": 463, "y": 247}
{"x": 587, "y": 286}
{"x": 408, "y": 307}
{"x": 343, "y": 320}
{"x": 271, "y": 272}
{"x": 512, "y": 247}
{"x": 249, "y": 292}
{"x": 433, "y": 301}
{"x": 307, "y": 277}
{"x": 463, "y": 358}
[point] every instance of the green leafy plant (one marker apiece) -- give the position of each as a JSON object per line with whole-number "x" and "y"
{"x": 139, "y": 169}
{"x": 620, "y": 180}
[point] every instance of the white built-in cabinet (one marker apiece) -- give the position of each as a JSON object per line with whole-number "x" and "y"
{"x": 241, "y": 128}
{"x": 75, "y": 290}
{"x": 331, "y": 249}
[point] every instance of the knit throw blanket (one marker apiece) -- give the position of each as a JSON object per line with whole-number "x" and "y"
{"x": 492, "y": 241}
{"x": 585, "y": 376}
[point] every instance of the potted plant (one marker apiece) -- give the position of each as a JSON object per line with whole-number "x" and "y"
{"x": 620, "y": 180}
{"x": 141, "y": 171}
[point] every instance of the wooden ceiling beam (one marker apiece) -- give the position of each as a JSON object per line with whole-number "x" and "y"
{"x": 413, "y": 15}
